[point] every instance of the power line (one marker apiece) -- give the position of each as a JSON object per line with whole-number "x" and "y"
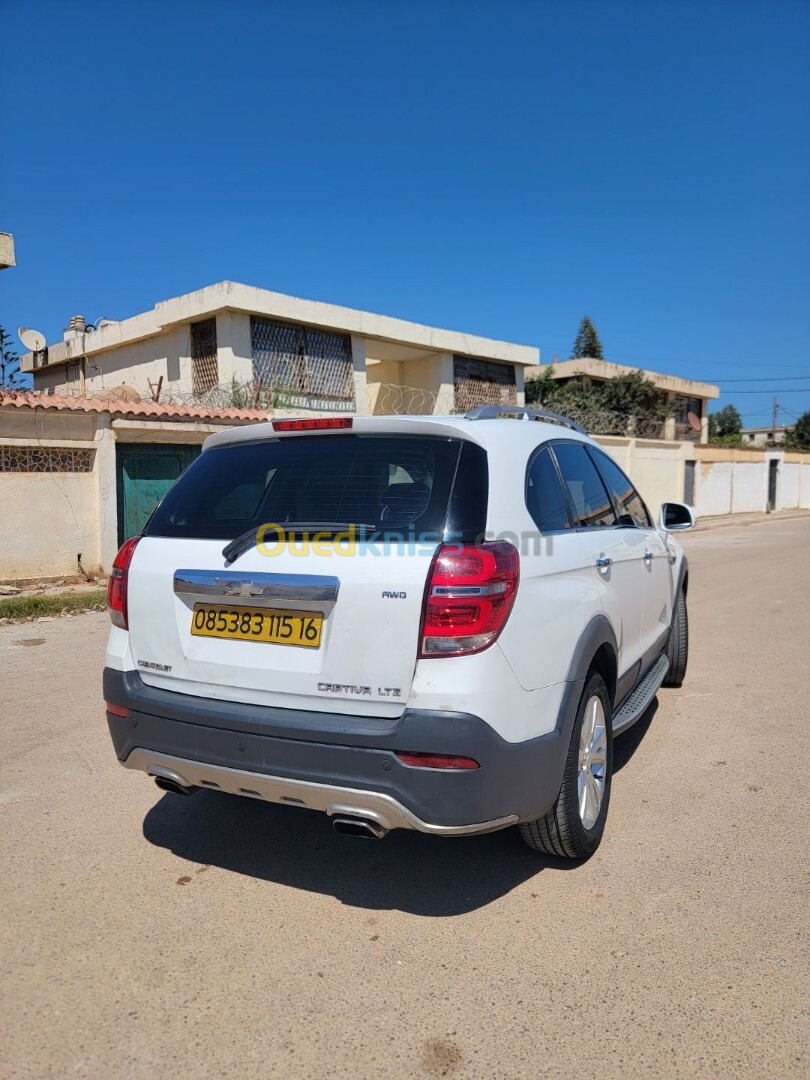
{"x": 767, "y": 378}
{"x": 765, "y": 390}
{"x": 670, "y": 360}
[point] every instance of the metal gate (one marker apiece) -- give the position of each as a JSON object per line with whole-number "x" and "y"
{"x": 773, "y": 476}
{"x": 144, "y": 473}
{"x": 302, "y": 367}
{"x": 689, "y": 482}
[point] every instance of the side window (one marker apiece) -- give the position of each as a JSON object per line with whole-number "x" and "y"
{"x": 545, "y": 499}
{"x": 586, "y": 491}
{"x": 629, "y": 501}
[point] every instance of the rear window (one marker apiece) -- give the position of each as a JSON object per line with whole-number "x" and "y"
{"x": 389, "y": 483}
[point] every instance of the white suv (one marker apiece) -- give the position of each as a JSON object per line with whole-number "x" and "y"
{"x": 422, "y": 622}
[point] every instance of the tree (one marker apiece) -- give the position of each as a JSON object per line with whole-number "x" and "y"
{"x": 540, "y": 389}
{"x": 627, "y": 403}
{"x": 587, "y": 342}
{"x": 799, "y": 437}
{"x": 11, "y": 378}
{"x": 635, "y": 395}
{"x": 726, "y": 421}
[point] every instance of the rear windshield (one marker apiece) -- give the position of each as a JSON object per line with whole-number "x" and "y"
{"x": 387, "y": 483}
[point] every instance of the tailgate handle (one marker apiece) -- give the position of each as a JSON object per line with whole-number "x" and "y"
{"x": 242, "y": 585}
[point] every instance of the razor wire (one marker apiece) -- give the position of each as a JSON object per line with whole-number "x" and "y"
{"x": 391, "y": 399}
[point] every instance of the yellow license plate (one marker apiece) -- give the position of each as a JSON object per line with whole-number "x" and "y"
{"x": 277, "y": 625}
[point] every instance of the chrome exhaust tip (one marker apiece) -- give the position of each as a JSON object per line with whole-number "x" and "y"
{"x": 165, "y": 783}
{"x": 362, "y": 827}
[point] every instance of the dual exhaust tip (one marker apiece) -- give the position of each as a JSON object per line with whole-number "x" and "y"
{"x": 165, "y": 783}
{"x": 365, "y": 828}
{"x": 362, "y": 827}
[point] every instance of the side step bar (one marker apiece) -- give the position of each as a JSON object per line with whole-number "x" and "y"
{"x": 633, "y": 706}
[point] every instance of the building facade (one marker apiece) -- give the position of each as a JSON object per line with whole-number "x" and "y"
{"x": 689, "y": 424}
{"x": 761, "y": 436}
{"x": 232, "y": 344}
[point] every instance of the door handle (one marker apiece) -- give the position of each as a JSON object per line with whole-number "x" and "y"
{"x": 603, "y": 562}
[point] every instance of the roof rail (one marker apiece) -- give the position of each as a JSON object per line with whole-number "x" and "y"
{"x": 522, "y": 412}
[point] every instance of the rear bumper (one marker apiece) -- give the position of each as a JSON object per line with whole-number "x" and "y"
{"x": 335, "y": 763}
{"x": 328, "y": 798}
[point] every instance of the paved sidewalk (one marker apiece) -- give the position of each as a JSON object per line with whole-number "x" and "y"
{"x": 724, "y": 520}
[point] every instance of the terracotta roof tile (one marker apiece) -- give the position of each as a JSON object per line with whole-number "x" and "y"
{"x": 32, "y": 399}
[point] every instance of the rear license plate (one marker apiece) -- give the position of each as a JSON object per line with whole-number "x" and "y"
{"x": 280, "y": 626}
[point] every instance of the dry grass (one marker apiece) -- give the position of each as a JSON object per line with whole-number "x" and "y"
{"x": 21, "y": 608}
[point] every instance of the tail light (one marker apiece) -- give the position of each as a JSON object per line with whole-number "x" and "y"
{"x": 117, "y": 585}
{"x": 469, "y": 596}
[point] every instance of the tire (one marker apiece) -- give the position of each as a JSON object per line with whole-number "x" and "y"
{"x": 678, "y": 644}
{"x": 565, "y": 831}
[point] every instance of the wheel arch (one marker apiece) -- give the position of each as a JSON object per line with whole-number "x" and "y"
{"x": 682, "y": 578}
{"x": 596, "y": 650}
{"x": 606, "y": 664}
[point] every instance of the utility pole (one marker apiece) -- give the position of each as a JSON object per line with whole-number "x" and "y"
{"x": 773, "y": 419}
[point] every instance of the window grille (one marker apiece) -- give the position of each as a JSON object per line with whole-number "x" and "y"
{"x": 481, "y": 382}
{"x": 204, "y": 367}
{"x": 302, "y": 367}
{"x": 49, "y": 459}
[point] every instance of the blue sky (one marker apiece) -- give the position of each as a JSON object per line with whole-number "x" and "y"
{"x": 502, "y": 168}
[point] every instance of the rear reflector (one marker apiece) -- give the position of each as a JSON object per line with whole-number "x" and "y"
{"x": 435, "y": 761}
{"x": 116, "y": 710}
{"x": 329, "y": 424}
{"x": 469, "y": 596}
{"x": 117, "y": 585}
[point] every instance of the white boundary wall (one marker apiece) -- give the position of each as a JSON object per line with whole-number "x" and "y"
{"x": 48, "y": 518}
{"x": 727, "y": 480}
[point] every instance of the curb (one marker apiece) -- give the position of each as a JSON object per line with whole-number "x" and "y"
{"x": 727, "y": 520}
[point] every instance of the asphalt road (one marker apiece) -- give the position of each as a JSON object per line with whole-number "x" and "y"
{"x": 145, "y": 934}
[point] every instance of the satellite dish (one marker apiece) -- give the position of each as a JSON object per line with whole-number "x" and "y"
{"x": 33, "y": 340}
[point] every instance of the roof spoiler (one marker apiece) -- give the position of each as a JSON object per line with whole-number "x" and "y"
{"x": 522, "y": 412}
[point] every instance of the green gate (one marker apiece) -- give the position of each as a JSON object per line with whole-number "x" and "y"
{"x": 144, "y": 473}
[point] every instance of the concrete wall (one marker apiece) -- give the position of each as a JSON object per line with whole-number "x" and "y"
{"x": 727, "y": 480}
{"x": 654, "y": 466}
{"x": 425, "y": 382}
{"x": 789, "y": 485}
{"x": 734, "y": 481}
{"x": 794, "y": 482}
{"x": 234, "y": 348}
{"x": 48, "y": 518}
{"x": 135, "y": 364}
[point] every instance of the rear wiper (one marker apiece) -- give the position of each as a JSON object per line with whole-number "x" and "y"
{"x": 249, "y": 539}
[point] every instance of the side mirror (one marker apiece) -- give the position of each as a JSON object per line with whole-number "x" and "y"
{"x": 676, "y": 517}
